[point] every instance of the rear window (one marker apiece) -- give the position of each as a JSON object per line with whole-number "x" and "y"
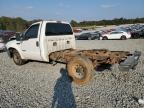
{"x": 116, "y": 32}
{"x": 53, "y": 29}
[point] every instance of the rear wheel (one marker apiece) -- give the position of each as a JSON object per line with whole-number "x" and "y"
{"x": 17, "y": 58}
{"x": 123, "y": 37}
{"x": 81, "y": 70}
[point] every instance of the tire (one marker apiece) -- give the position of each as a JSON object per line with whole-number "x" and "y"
{"x": 80, "y": 69}
{"x": 105, "y": 38}
{"x": 123, "y": 37}
{"x": 17, "y": 58}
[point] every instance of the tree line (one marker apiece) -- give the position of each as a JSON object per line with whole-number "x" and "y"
{"x": 15, "y": 24}
{"x": 19, "y": 24}
{"x": 116, "y": 21}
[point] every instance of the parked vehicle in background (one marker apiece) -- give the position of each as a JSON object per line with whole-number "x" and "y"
{"x": 2, "y": 45}
{"x": 77, "y": 30}
{"x": 1, "y": 31}
{"x": 137, "y": 34}
{"x": 136, "y": 30}
{"x": 6, "y": 34}
{"x": 116, "y": 35}
{"x": 97, "y": 34}
{"x": 141, "y": 33}
{"x": 89, "y": 36}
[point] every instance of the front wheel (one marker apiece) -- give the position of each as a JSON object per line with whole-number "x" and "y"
{"x": 81, "y": 70}
{"x": 17, "y": 58}
{"x": 123, "y": 38}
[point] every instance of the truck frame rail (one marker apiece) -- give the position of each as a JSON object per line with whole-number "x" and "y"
{"x": 81, "y": 63}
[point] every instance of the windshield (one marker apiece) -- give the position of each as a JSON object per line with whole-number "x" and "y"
{"x": 58, "y": 29}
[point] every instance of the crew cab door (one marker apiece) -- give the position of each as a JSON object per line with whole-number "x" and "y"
{"x": 30, "y": 43}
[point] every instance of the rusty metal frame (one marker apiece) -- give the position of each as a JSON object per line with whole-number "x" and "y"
{"x": 97, "y": 56}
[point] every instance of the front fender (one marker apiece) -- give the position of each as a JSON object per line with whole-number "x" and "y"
{"x": 11, "y": 45}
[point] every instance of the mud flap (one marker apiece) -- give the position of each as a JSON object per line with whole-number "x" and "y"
{"x": 130, "y": 62}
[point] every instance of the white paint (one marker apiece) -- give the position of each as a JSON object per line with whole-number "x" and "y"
{"x": 29, "y": 50}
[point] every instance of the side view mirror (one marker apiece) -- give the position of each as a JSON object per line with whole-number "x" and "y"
{"x": 18, "y": 36}
{"x": 26, "y": 37}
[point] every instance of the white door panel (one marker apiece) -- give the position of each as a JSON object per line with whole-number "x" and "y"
{"x": 30, "y": 50}
{"x": 30, "y": 43}
{"x": 115, "y": 35}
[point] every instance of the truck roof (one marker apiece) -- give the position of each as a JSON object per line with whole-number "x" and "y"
{"x": 51, "y": 21}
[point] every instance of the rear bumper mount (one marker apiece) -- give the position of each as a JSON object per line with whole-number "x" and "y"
{"x": 130, "y": 62}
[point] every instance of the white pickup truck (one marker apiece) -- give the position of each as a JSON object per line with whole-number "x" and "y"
{"x": 50, "y": 41}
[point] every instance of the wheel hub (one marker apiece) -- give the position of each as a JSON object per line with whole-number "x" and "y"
{"x": 79, "y": 71}
{"x": 16, "y": 58}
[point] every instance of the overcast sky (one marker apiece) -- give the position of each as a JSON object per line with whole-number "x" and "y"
{"x": 79, "y": 10}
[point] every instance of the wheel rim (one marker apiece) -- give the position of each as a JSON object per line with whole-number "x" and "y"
{"x": 123, "y": 37}
{"x": 16, "y": 58}
{"x": 79, "y": 71}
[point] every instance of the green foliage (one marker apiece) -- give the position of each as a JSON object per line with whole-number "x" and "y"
{"x": 116, "y": 21}
{"x": 74, "y": 23}
{"x": 18, "y": 24}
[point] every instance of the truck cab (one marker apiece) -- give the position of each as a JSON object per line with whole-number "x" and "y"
{"x": 41, "y": 39}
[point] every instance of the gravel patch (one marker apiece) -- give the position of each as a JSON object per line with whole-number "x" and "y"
{"x": 41, "y": 85}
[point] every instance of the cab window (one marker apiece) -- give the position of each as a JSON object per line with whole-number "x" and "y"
{"x": 53, "y": 29}
{"x": 32, "y": 32}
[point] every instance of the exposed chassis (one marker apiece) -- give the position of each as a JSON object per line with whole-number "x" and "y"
{"x": 97, "y": 56}
{"x": 81, "y": 63}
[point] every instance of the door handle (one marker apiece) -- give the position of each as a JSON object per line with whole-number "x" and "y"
{"x": 37, "y": 43}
